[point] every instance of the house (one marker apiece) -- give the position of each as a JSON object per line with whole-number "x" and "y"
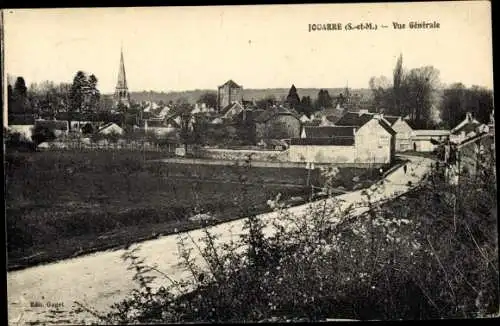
{"x": 277, "y": 123}
{"x": 216, "y": 121}
{"x": 355, "y": 118}
{"x": 328, "y": 117}
{"x": 468, "y": 128}
{"x": 427, "y": 140}
{"x": 368, "y": 139}
{"x": 110, "y": 128}
{"x": 78, "y": 120}
{"x": 59, "y": 127}
{"x": 159, "y": 127}
{"x": 274, "y": 144}
{"x": 231, "y": 110}
{"x": 22, "y": 124}
{"x": 229, "y": 93}
{"x": 403, "y": 131}
{"x": 304, "y": 118}
{"x": 327, "y": 132}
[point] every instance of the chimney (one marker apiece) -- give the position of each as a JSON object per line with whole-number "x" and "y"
{"x": 468, "y": 116}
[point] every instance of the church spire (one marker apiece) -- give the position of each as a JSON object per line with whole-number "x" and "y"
{"x": 121, "y": 91}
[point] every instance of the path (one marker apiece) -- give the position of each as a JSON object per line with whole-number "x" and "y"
{"x": 102, "y": 278}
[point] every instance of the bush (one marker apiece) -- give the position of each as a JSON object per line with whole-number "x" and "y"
{"x": 42, "y": 134}
{"x": 432, "y": 254}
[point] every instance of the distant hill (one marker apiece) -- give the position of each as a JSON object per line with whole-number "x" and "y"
{"x": 249, "y": 94}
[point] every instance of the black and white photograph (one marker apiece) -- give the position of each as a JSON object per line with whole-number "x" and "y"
{"x": 249, "y": 163}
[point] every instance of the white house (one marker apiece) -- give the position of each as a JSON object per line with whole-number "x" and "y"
{"x": 403, "y": 131}
{"x": 427, "y": 140}
{"x": 110, "y": 128}
{"x": 468, "y": 128}
{"x": 158, "y": 127}
{"x": 304, "y": 119}
{"x": 21, "y": 124}
{"x": 366, "y": 140}
{"x": 59, "y": 127}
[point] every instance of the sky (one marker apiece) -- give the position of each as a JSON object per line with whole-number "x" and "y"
{"x": 183, "y": 48}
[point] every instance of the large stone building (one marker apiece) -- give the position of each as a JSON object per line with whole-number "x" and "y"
{"x": 121, "y": 91}
{"x": 229, "y": 93}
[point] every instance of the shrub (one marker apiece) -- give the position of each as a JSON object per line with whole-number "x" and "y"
{"x": 432, "y": 254}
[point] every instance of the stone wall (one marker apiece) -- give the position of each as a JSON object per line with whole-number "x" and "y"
{"x": 322, "y": 153}
{"x": 240, "y": 155}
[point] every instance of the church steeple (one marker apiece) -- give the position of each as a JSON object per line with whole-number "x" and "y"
{"x": 121, "y": 91}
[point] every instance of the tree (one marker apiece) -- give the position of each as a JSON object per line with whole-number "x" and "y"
{"x": 306, "y": 106}
{"x": 186, "y": 132}
{"x": 413, "y": 93}
{"x": 84, "y": 95}
{"x": 398, "y": 86}
{"x": 382, "y": 95}
{"x": 422, "y": 85}
{"x": 265, "y": 103}
{"x": 323, "y": 101}
{"x": 87, "y": 129}
{"x": 19, "y": 98}
{"x": 293, "y": 98}
{"x": 209, "y": 98}
{"x": 457, "y": 100}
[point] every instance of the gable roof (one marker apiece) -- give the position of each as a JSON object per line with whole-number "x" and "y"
{"x": 20, "y": 119}
{"x": 231, "y": 84}
{"x": 107, "y": 125}
{"x": 337, "y": 141}
{"x": 354, "y": 119}
{"x": 329, "y": 132}
{"x": 312, "y": 123}
{"x": 467, "y": 125}
{"x": 53, "y": 124}
{"x": 233, "y": 106}
{"x": 273, "y": 112}
{"x": 156, "y": 123}
{"x": 386, "y": 126}
{"x": 391, "y": 118}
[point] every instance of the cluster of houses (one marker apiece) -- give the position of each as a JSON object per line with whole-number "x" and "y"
{"x": 333, "y": 135}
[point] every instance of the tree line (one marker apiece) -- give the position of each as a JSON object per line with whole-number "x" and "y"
{"x": 419, "y": 95}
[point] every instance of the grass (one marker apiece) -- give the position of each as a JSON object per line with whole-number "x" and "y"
{"x": 63, "y": 204}
{"x": 60, "y": 204}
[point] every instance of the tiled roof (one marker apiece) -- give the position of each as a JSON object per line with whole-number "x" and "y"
{"x": 233, "y": 106}
{"x": 156, "y": 123}
{"x": 52, "y": 124}
{"x": 354, "y": 119}
{"x": 20, "y": 119}
{"x": 387, "y": 127}
{"x": 329, "y": 132}
{"x": 231, "y": 84}
{"x": 391, "y": 118}
{"x": 338, "y": 141}
{"x": 107, "y": 125}
{"x": 272, "y": 112}
{"x": 431, "y": 132}
{"x": 312, "y": 123}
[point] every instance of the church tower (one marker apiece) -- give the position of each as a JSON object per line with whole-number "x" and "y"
{"x": 121, "y": 91}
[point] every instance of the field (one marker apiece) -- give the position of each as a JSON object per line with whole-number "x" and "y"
{"x": 63, "y": 204}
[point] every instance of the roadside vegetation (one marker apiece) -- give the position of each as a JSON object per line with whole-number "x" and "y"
{"x": 432, "y": 253}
